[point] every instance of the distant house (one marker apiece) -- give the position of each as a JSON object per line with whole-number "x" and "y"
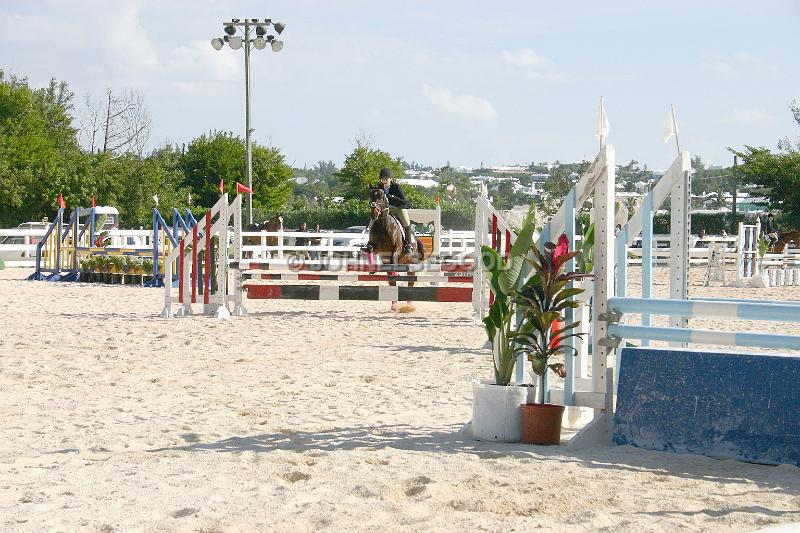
{"x": 509, "y": 170}
{"x": 424, "y": 183}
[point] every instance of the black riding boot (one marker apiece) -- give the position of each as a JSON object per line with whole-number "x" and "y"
{"x": 411, "y": 241}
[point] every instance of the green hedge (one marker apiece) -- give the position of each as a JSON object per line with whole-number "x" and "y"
{"x": 356, "y": 213}
{"x": 712, "y": 223}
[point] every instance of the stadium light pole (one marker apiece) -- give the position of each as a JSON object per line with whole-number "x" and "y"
{"x": 233, "y": 28}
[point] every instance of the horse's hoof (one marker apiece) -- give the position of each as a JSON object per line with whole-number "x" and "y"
{"x": 394, "y": 306}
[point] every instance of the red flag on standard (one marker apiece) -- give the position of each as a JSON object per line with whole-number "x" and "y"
{"x": 241, "y": 188}
{"x": 61, "y": 201}
{"x": 221, "y": 186}
{"x": 94, "y": 202}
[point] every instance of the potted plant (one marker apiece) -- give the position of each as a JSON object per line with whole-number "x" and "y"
{"x": 104, "y": 266}
{"x": 117, "y": 267}
{"x": 147, "y": 270}
{"x": 496, "y": 412}
{"x": 761, "y": 279}
{"x": 542, "y": 300}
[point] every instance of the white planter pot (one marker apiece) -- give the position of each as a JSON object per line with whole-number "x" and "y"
{"x": 496, "y": 411}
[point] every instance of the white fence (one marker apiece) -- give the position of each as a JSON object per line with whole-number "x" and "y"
{"x": 18, "y": 246}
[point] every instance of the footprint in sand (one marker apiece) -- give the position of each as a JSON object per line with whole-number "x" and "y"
{"x": 417, "y": 486}
{"x": 295, "y": 476}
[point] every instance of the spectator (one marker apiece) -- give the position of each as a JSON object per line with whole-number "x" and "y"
{"x": 302, "y": 241}
{"x": 315, "y": 241}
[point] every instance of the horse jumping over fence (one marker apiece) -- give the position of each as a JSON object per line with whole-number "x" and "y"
{"x": 386, "y": 236}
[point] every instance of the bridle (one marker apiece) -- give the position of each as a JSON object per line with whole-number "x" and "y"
{"x": 379, "y": 207}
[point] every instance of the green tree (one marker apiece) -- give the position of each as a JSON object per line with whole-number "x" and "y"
{"x": 777, "y": 176}
{"x": 38, "y": 148}
{"x": 554, "y": 189}
{"x": 362, "y": 167}
{"x": 221, "y": 156}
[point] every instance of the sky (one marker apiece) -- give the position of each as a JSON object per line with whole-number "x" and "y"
{"x": 434, "y": 81}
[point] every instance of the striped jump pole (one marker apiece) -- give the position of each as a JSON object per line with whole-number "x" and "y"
{"x": 704, "y": 336}
{"x": 194, "y": 263}
{"x": 445, "y": 278}
{"x": 207, "y": 269}
{"x": 778, "y": 312}
{"x": 351, "y": 267}
{"x": 363, "y": 293}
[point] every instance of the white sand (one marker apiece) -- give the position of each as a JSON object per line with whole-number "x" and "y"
{"x": 308, "y": 416}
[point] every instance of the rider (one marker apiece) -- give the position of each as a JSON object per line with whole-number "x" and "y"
{"x": 398, "y": 206}
{"x": 769, "y": 230}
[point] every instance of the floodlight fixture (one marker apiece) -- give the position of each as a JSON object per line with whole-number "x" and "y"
{"x": 217, "y": 43}
{"x": 277, "y": 46}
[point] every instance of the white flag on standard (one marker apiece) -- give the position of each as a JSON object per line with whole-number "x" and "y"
{"x": 672, "y": 126}
{"x": 602, "y": 123}
{"x": 155, "y": 199}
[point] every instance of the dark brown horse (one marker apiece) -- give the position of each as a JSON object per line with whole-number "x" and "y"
{"x": 784, "y": 238}
{"x": 386, "y": 236}
{"x": 386, "y": 233}
{"x": 273, "y": 224}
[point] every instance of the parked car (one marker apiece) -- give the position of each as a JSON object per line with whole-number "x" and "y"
{"x": 12, "y": 255}
{"x": 360, "y": 238}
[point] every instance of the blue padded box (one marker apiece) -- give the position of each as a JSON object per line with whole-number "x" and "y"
{"x": 723, "y": 405}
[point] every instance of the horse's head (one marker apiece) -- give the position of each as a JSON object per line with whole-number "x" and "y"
{"x": 378, "y": 202}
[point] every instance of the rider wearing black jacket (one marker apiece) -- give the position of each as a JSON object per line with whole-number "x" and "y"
{"x": 397, "y": 207}
{"x": 769, "y": 229}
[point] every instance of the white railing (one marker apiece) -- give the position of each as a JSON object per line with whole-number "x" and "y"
{"x": 452, "y": 244}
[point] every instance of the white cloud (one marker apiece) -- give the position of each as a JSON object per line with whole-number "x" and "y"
{"x": 527, "y": 58}
{"x": 748, "y": 117}
{"x": 720, "y": 68}
{"x": 736, "y": 66}
{"x": 124, "y": 40}
{"x": 537, "y": 68}
{"x": 462, "y": 105}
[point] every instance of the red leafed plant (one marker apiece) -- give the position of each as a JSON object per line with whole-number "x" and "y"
{"x": 542, "y": 301}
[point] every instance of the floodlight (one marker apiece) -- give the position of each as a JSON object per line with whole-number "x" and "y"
{"x": 261, "y": 29}
{"x": 277, "y": 46}
{"x": 259, "y": 43}
{"x": 230, "y": 30}
{"x": 235, "y": 42}
{"x": 217, "y": 43}
{"x": 279, "y": 27}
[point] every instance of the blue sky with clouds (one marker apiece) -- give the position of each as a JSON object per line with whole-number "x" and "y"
{"x": 435, "y": 81}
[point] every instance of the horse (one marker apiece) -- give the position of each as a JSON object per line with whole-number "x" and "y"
{"x": 784, "y": 238}
{"x": 386, "y": 236}
{"x": 274, "y": 224}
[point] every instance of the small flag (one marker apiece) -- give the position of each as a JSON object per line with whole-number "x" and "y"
{"x": 94, "y": 202}
{"x": 602, "y": 123}
{"x": 189, "y": 200}
{"x": 241, "y": 188}
{"x": 672, "y": 126}
{"x": 221, "y": 186}
{"x": 61, "y": 202}
{"x": 155, "y": 199}
{"x": 438, "y": 199}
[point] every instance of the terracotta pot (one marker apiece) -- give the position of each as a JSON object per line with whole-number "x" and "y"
{"x": 541, "y": 423}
